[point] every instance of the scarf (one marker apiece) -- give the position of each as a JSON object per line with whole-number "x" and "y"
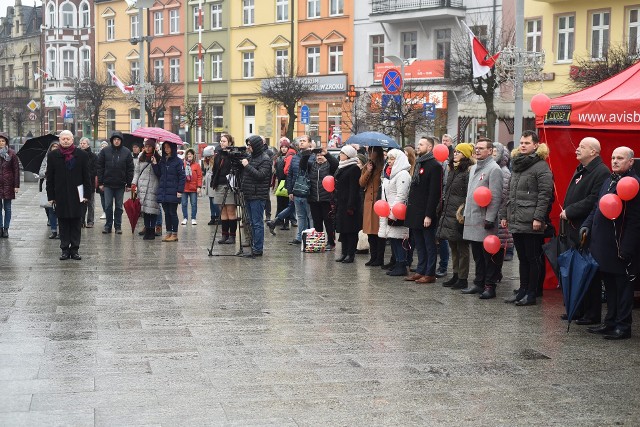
{"x": 69, "y": 160}
{"x": 387, "y": 172}
{"x": 187, "y": 171}
{"x": 522, "y": 163}
{"x": 344, "y": 163}
{"x": 416, "y": 172}
{"x": 4, "y": 153}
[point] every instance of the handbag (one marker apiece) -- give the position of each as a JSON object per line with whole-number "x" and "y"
{"x": 395, "y": 222}
{"x": 302, "y": 186}
{"x": 44, "y": 203}
{"x": 313, "y": 241}
{"x": 281, "y": 191}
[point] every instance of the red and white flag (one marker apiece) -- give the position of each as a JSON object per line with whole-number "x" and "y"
{"x": 63, "y": 109}
{"x": 42, "y": 73}
{"x": 482, "y": 62}
{"x": 116, "y": 81}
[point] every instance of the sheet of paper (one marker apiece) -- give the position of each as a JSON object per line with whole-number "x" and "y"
{"x": 81, "y": 192}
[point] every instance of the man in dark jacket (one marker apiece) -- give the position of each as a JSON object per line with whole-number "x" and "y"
{"x": 303, "y": 211}
{"x": 256, "y": 179}
{"x": 68, "y": 185}
{"x": 88, "y": 209}
{"x": 615, "y": 245}
{"x": 115, "y": 173}
{"x": 581, "y": 197}
{"x": 424, "y": 195}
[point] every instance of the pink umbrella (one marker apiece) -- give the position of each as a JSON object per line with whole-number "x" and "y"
{"x": 158, "y": 134}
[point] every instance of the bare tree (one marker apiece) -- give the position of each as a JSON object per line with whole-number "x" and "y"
{"x": 194, "y": 118}
{"x": 158, "y": 95}
{"x": 356, "y": 113}
{"x": 588, "y": 71}
{"x": 91, "y": 97}
{"x": 286, "y": 91}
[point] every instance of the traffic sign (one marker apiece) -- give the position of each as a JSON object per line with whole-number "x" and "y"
{"x": 304, "y": 114}
{"x": 392, "y": 81}
{"x": 33, "y": 117}
{"x": 429, "y": 110}
{"x": 32, "y": 105}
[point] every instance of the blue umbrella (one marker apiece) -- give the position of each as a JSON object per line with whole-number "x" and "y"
{"x": 372, "y": 139}
{"x": 577, "y": 269}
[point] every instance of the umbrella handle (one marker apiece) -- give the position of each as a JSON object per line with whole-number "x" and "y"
{"x": 134, "y": 194}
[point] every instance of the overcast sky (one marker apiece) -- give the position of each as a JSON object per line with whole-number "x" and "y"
{"x": 5, "y": 3}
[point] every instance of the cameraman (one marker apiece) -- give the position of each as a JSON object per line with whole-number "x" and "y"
{"x": 256, "y": 180}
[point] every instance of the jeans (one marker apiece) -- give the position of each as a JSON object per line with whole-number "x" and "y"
{"x": 114, "y": 217}
{"x": 303, "y": 212}
{"x": 255, "y": 209}
{"x": 159, "y": 219}
{"x": 214, "y": 209}
{"x": 5, "y": 204}
{"x": 288, "y": 213}
{"x": 194, "y": 205}
{"x": 171, "y": 217}
{"x": 398, "y": 250}
{"x": 149, "y": 221}
{"x": 443, "y": 255}
{"x": 53, "y": 219}
{"x": 427, "y": 250}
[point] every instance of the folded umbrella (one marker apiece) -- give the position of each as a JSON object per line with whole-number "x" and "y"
{"x": 133, "y": 208}
{"x": 159, "y": 134}
{"x": 373, "y": 139}
{"x": 577, "y": 270}
{"x": 34, "y": 151}
{"x": 557, "y": 245}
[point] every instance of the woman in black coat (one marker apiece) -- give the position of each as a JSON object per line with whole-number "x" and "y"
{"x": 348, "y": 203}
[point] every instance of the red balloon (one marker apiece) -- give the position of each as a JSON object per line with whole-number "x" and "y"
{"x": 329, "y": 183}
{"x": 491, "y": 244}
{"x": 610, "y": 205}
{"x": 627, "y": 188}
{"x": 540, "y": 104}
{"x": 482, "y": 196}
{"x": 381, "y": 208}
{"x": 441, "y": 152}
{"x": 399, "y": 210}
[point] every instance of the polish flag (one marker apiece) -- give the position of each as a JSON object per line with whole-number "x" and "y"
{"x": 42, "y": 73}
{"x": 63, "y": 109}
{"x": 482, "y": 62}
{"x": 116, "y": 81}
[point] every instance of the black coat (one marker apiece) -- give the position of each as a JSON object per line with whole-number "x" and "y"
{"x": 316, "y": 173}
{"x": 347, "y": 194}
{"x": 613, "y": 241}
{"x": 425, "y": 192}
{"x": 115, "y": 167}
{"x": 455, "y": 195}
{"x": 256, "y": 177}
{"x": 582, "y": 195}
{"x": 62, "y": 183}
{"x": 221, "y": 168}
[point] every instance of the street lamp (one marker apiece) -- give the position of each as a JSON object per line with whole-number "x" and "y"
{"x": 400, "y": 62}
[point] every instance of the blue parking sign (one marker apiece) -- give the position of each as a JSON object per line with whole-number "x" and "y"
{"x": 304, "y": 114}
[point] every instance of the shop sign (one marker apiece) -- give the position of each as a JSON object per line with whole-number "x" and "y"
{"x": 418, "y": 70}
{"x": 321, "y": 84}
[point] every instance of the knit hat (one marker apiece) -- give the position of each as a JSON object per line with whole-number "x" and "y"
{"x": 349, "y": 151}
{"x": 362, "y": 158}
{"x": 150, "y": 141}
{"x": 284, "y": 142}
{"x": 465, "y": 148}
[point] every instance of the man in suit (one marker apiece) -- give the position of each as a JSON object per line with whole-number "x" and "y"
{"x": 68, "y": 184}
{"x": 581, "y": 197}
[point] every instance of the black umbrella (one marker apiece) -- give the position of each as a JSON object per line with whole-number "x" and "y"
{"x": 373, "y": 139}
{"x": 556, "y": 246}
{"x": 131, "y": 140}
{"x": 34, "y": 151}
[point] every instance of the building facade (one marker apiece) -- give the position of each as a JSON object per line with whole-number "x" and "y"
{"x": 20, "y": 80}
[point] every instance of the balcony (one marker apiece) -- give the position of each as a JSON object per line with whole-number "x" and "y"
{"x": 409, "y": 10}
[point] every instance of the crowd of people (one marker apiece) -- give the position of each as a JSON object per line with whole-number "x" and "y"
{"x": 434, "y": 215}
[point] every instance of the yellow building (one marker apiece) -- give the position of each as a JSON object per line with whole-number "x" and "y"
{"x": 259, "y": 47}
{"x": 572, "y": 29}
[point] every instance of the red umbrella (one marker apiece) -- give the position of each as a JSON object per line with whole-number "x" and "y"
{"x": 158, "y": 134}
{"x": 132, "y": 207}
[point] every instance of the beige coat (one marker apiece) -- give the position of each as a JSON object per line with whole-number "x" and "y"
{"x": 370, "y": 182}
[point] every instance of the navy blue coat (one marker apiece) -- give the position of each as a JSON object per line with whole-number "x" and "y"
{"x": 613, "y": 241}
{"x": 170, "y": 171}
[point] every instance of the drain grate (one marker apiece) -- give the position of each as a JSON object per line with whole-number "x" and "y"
{"x": 531, "y": 354}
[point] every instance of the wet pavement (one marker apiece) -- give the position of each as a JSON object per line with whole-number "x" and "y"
{"x": 160, "y": 334}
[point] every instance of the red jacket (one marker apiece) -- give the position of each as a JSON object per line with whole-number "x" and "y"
{"x": 196, "y": 178}
{"x": 9, "y": 176}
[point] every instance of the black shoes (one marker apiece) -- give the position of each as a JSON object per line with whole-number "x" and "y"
{"x": 475, "y": 289}
{"x": 388, "y": 266}
{"x": 515, "y": 298}
{"x": 399, "y": 270}
{"x": 449, "y": 283}
{"x": 376, "y": 263}
{"x": 252, "y": 254}
{"x": 118, "y": 231}
{"x": 583, "y": 322}
{"x": 441, "y": 272}
{"x": 489, "y": 292}
{"x": 75, "y": 256}
{"x": 460, "y": 284}
{"x": 295, "y": 242}
{"x": 65, "y": 256}
{"x": 601, "y": 330}
{"x": 526, "y": 300}
{"x": 225, "y": 238}
{"x": 53, "y": 235}
{"x": 618, "y": 334}
{"x": 106, "y": 230}
{"x": 349, "y": 259}
{"x": 4, "y": 233}
{"x": 341, "y": 258}
{"x": 272, "y": 227}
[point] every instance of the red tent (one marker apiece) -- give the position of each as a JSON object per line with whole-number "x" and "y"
{"x": 608, "y": 111}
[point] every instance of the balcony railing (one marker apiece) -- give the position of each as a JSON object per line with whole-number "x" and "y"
{"x": 391, "y": 6}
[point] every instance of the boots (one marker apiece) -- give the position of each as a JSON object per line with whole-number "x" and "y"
{"x": 171, "y": 237}
{"x": 143, "y": 232}
{"x": 149, "y": 234}
{"x": 224, "y": 239}
{"x": 489, "y": 292}
{"x": 4, "y": 232}
{"x": 460, "y": 284}
{"x": 449, "y": 283}
{"x": 231, "y": 240}
{"x": 400, "y": 269}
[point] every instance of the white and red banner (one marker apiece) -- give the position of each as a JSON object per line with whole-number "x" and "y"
{"x": 116, "y": 81}
{"x": 480, "y": 58}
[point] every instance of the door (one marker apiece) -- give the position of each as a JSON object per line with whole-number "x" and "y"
{"x": 249, "y": 120}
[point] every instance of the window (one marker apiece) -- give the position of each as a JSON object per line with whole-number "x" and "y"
{"x": 68, "y": 63}
{"x": 175, "y": 120}
{"x": 282, "y": 10}
{"x": 52, "y": 64}
{"x": 409, "y": 44}
{"x": 216, "y": 16}
{"x": 566, "y": 29}
{"x": 52, "y": 119}
{"x": 313, "y": 60}
{"x": 111, "y": 121}
{"x": 85, "y": 16}
{"x": 134, "y": 68}
{"x": 599, "y": 34}
{"x": 111, "y": 29}
{"x": 134, "y": 119}
{"x": 85, "y": 62}
{"x": 216, "y": 66}
{"x": 533, "y": 34}
{"x": 25, "y": 74}
{"x": 174, "y": 70}
{"x": 2, "y": 76}
{"x": 134, "y": 25}
{"x": 376, "y": 44}
{"x": 282, "y": 62}
{"x": 335, "y": 59}
{"x": 158, "y": 70}
{"x": 196, "y": 18}
{"x": 174, "y": 21}
{"x": 110, "y": 68}
{"x": 443, "y": 44}
{"x": 158, "y": 21}
{"x": 247, "y": 65}
{"x": 634, "y": 33}
{"x": 313, "y": 8}
{"x": 51, "y": 15}
{"x": 12, "y": 77}
{"x": 198, "y": 68}
{"x": 248, "y": 12}
{"x": 217, "y": 114}
{"x": 68, "y": 15}
{"x": 336, "y": 7}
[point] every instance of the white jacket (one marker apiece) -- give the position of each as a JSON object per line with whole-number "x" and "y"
{"x": 395, "y": 189}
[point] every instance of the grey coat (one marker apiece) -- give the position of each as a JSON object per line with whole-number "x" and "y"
{"x": 147, "y": 182}
{"x": 485, "y": 173}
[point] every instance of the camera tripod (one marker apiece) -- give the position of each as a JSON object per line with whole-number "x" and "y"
{"x": 238, "y": 198}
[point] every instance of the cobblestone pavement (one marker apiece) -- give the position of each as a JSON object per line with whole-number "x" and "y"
{"x": 159, "y": 334}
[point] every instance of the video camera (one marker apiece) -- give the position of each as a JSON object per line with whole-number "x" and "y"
{"x": 237, "y": 153}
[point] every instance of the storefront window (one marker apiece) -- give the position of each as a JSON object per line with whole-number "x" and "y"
{"x": 334, "y": 115}
{"x": 283, "y": 121}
